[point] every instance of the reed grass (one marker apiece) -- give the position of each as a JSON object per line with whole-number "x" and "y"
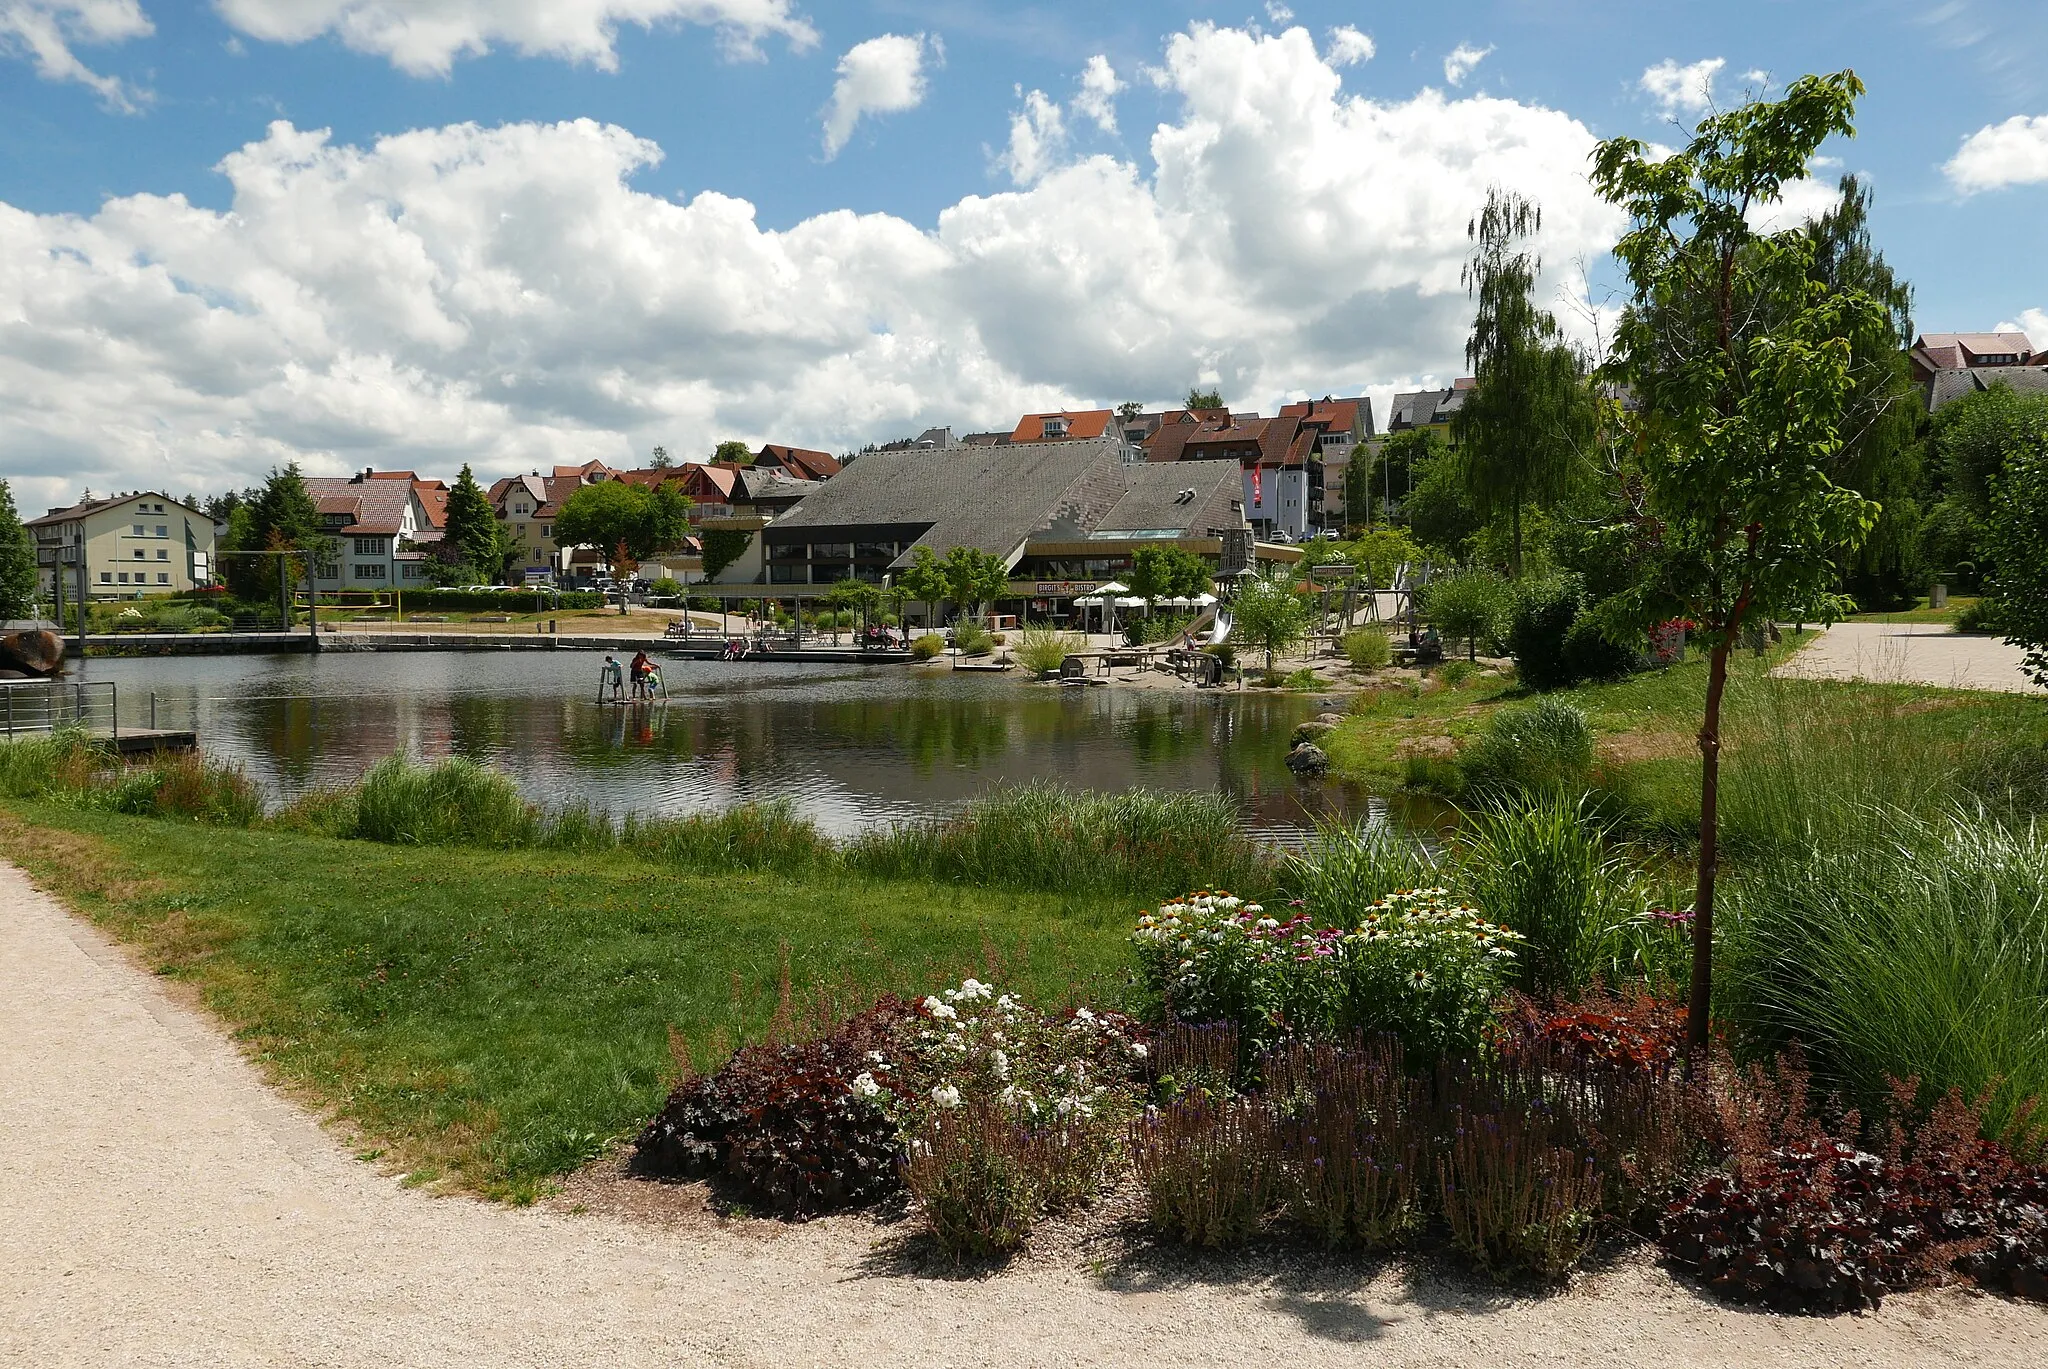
{"x": 1544, "y": 866}
{"x": 455, "y": 802}
{"x": 1345, "y": 868}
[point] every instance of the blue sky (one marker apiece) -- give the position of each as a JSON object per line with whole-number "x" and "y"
{"x": 314, "y": 360}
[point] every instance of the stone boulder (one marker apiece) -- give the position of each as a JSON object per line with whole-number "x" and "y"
{"x": 1310, "y": 732}
{"x": 30, "y": 655}
{"x": 1308, "y": 760}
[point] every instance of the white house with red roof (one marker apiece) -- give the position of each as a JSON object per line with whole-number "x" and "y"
{"x": 371, "y": 518}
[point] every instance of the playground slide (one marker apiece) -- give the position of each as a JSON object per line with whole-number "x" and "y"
{"x": 1221, "y": 632}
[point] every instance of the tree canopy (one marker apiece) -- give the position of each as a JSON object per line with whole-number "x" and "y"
{"x": 1268, "y": 614}
{"x": 17, "y": 560}
{"x": 924, "y": 579}
{"x": 1740, "y": 366}
{"x": 624, "y": 521}
{"x": 2018, "y": 535}
{"x": 1199, "y": 398}
{"x": 734, "y": 452}
{"x": 1168, "y": 572}
{"x": 974, "y": 578}
{"x": 1525, "y": 427}
{"x": 279, "y": 517}
{"x": 472, "y": 529}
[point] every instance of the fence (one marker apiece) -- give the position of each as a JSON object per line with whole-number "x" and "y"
{"x": 30, "y": 706}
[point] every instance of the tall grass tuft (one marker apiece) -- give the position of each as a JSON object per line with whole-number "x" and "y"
{"x": 1041, "y": 649}
{"x": 1546, "y": 748}
{"x": 454, "y": 802}
{"x": 1345, "y": 868}
{"x": 1142, "y": 844}
{"x": 1543, "y": 867}
{"x": 37, "y": 767}
{"x": 189, "y": 787}
{"x": 1921, "y": 955}
{"x": 752, "y": 836}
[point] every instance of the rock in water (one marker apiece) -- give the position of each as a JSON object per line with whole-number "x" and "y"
{"x": 32, "y": 653}
{"x": 1308, "y": 759}
{"x": 1309, "y": 732}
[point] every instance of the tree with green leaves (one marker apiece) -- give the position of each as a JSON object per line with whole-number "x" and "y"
{"x": 924, "y": 580}
{"x": 734, "y": 453}
{"x": 627, "y": 522}
{"x": 852, "y": 596}
{"x": 1269, "y": 613}
{"x": 722, "y": 547}
{"x": 18, "y": 584}
{"x": 1167, "y": 572}
{"x": 1740, "y": 368}
{"x": 1198, "y": 398}
{"x": 1438, "y": 511}
{"x": 2017, "y": 531}
{"x": 472, "y": 529}
{"x": 974, "y": 578}
{"x": 281, "y": 517}
{"x": 1525, "y": 426}
{"x": 1397, "y": 462}
{"x": 659, "y": 459}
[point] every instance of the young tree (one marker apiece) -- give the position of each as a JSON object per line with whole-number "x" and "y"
{"x": 924, "y": 580}
{"x": 2018, "y": 534}
{"x": 1740, "y": 367}
{"x": 1167, "y": 572}
{"x": 734, "y": 453}
{"x": 1199, "y": 398}
{"x": 1269, "y": 614}
{"x": 1524, "y": 427}
{"x": 974, "y": 578}
{"x": 472, "y": 528}
{"x": 17, "y": 560}
{"x": 659, "y": 459}
{"x": 1358, "y": 487}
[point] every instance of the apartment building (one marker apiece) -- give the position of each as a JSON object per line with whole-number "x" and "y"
{"x": 131, "y": 545}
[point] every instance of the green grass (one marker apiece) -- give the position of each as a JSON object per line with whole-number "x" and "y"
{"x": 493, "y": 1018}
{"x": 1920, "y": 612}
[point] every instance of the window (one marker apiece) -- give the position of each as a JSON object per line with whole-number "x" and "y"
{"x": 161, "y": 529}
{"x": 870, "y": 551}
{"x": 369, "y": 546}
{"x": 831, "y": 551}
{"x": 107, "y": 577}
{"x": 787, "y": 575}
{"x": 521, "y": 509}
{"x": 141, "y": 555}
{"x": 410, "y": 570}
{"x": 547, "y": 530}
{"x": 139, "y": 531}
{"x": 163, "y": 577}
{"x": 163, "y": 554}
{"x": 124, "y": 577}
{"x": 1055, "y": 427}
{"x": 369, "y": 572}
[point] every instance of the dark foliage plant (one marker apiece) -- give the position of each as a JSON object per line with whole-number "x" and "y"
{"x": 783, "y": 1122}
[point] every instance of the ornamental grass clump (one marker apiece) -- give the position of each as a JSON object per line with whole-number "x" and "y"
{"x": 1543, "y": 865}
{"x": 1040, "y": 650}
{"x": 454, "y": 802}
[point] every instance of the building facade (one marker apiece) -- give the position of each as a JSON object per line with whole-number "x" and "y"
{"x": 374, "y": 520}
{"x": 131, "y": 545}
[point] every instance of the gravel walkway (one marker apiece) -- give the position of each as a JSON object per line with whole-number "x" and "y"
{"x": 1911, "y": 653}
{"x": 160, "y": 1205}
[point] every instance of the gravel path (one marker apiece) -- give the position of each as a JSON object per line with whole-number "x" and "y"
{"x": 160, "y": 1205}
{"x": 1913, "y": 653}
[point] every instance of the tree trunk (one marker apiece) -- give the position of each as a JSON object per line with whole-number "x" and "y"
{"x": 1701, "y": 998}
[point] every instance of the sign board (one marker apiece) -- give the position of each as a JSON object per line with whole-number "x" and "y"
{"x": 1063, "y": 588}
{"x": 1333, "y": 572}
{"x": 202, "y": 568}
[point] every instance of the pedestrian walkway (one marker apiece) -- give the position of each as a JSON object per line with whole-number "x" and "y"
{"x": 1911, "y": 653}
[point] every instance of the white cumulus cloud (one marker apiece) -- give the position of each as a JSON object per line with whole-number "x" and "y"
{"x": 425, "y": 37}
{"x": 1997, "y": 155}
{"x": 511, "y": 298}
{"x": 1038, "y": 135}
{"x": 1682, "y": 89}
{"x": 1099, "y": 89}
{"x": 1459, "y": 62}
{"x": 1348, "y": 47}
{"x": 884, "y": 75}
{"x": 44, "y": 31}
{"x": 2032, "y": 322}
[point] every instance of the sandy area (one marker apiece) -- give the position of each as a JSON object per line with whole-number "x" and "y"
{"x": 162, "y": 1206}
{"x": 1911, "y": 653}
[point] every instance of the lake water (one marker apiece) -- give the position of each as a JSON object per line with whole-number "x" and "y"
{"x": 850, "y": 745}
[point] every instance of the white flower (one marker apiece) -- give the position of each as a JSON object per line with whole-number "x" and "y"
{"x": 1073, "y": 1107}
{"x": 932, "y": 1003}
{"x": 1000, "y": 1063}
{"x": 864, "y": 1086}
{"x": 945, "y": 1011}
{"x": 1138, "y": 1049}
{"x": 973, "y": 989}
{"x": 1084, "y": 1015}
{"x": 946, "y": 1096}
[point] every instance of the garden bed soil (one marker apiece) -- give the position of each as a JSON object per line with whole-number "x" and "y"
{"x": 167, "y": 1207}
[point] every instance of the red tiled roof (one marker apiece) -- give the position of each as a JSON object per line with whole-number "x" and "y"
{"x": 801, "y": 462}
{"x": 1084, "y": 423}
{"x": 377, "y": 501}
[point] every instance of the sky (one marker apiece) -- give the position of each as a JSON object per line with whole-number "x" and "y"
{"x": 418, "y": 234}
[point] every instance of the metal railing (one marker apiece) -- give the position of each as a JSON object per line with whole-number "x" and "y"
{"x": 32, "y": 706}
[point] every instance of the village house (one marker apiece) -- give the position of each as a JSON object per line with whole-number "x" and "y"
{"x": 375, "y": 521}
{"x": 127, "y": 545}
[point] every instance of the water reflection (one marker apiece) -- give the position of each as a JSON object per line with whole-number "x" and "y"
{"x": 851, "y": 746}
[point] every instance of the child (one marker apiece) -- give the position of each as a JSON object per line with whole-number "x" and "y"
{"x": 612, "y": 676}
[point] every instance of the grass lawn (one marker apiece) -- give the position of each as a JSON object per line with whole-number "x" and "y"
{"x": 1646, "y": 725}
{"x": 1920, "y": 612}
{"x": 494, "y": 1018}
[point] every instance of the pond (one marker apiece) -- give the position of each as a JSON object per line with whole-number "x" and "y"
{"x": 851, "y": 746}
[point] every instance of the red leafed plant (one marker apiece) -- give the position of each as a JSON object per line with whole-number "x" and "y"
{"x": 1634, "y": 1031}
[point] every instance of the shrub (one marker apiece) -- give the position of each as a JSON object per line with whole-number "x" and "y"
{"x": 506, "y": 600}
{"x": 455, "y": 802}
{"x": 1544, "y": 748}
{"x": 1414, "y": 966}
{"x": 976, "y": 1173}
{"x": 1208, "y": 1169}
{"x": 1475, "y": 606}
{"x": 1589, "y": 654}
{"x": 973, "y": 639}
{"x": 1983, "y": 617}
{"x": 1040, "y": 650}
{"x": 786, "y": 1122}
{"x": 1516, "y": 1202}
{"x": 1544, "y": 611}
{"x": 1368, "y": 648}
{"x": 1306, "y": 679}
{"x": 928, "y": 646}
{"x": 1351, "y": 1140}
{"x": 1543, "y": 867}
{"x": 1455, "y": 673}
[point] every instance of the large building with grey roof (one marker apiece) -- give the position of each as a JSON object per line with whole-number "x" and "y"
{"x": 1064, "y": 516}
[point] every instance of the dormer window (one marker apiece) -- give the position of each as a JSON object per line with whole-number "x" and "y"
{"x": 1055, "y": 427}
